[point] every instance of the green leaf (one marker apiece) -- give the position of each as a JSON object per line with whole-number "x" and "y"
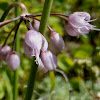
{"x": 2, "y": 92}
{"x": 52, "y": 81}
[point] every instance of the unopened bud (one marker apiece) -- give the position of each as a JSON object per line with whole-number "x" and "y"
{"x": 49, "y": 60}
{"x": 4, "y": 51}
{"x": 35, "y": 24}
{"x": 13, "y": 60}
{"x": 56, "y": 41}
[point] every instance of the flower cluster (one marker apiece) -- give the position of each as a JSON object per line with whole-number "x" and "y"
{"x": 36, "y": 45}
{"x": 11, "y": 57}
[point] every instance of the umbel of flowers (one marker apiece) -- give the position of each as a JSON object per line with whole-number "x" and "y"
{"x": 35, "y": 44}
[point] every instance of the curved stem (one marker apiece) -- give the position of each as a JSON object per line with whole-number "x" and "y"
{"x": 42, "y": 29}
{"x": 19, "y": 4}
{"x": 53, "y": 14}
{"x": 9, "y": 21}
{"x": 67, "y": 80}
{"x": 49, "y": 28}
{"x": 10, "y": 34}
{"x": 63, "y": 16}
{"x": 13, "y": 44}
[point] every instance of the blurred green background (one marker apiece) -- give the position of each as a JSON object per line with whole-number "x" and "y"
{"x": 80, "y": 60}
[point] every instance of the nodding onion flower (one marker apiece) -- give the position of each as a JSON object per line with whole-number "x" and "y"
{"x": 49, "y": 60}
{"x": 13, "y": 60}
{"x": 34, "y": 43}
{"x": 78, "y": 24}
{"x": 56, "y": 41}
{"x": 4, "y": 51}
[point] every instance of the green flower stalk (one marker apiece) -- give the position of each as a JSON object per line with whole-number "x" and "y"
{"x": 42, "y": 30}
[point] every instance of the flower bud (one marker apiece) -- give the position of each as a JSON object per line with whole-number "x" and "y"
{"x": 13, "y": 60}
{"x": 56, "y": 41}
{"x": 4, "y": 51}
{"x": 49, "y": 60}
{"x": 35, "y": 24}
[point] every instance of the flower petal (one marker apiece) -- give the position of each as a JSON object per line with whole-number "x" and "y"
{"x": 34, "y": 40}
{"x": 49, "y": 60}
{"x": 28, "y": 51}
{"x": 70, "y": 30}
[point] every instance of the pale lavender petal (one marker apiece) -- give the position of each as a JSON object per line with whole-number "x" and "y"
{"x": 49, "y": 60}
{"x": 82, "y": 30}
{"x": 44, "y": 44}
{"x": 28, "y": 50}
{"x": 34, "y": 40}
{"x": 41, "y": 67}
{"x": 83, "y": 15}
{"x": 70, "y": 30}
{"x": 76, "y": 21}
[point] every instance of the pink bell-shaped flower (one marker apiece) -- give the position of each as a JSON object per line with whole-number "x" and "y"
{"x": 78, "y": 23}
{"x": 49, "y": 60}
{"x": 56, "y": 41}
{"x": 4, "y": 51}
{"x": 34, "y": 42}
{"x": 13, "y": 60}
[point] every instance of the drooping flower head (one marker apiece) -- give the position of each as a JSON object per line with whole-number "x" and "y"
{"x": 78, "y": 23}
{"x": 49, "y": 60}
{"x": 13, "y": 60}
{"x": 56, "y": 41}
{"x": 4, "y": 51}
{"x": 34, "y": 43}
